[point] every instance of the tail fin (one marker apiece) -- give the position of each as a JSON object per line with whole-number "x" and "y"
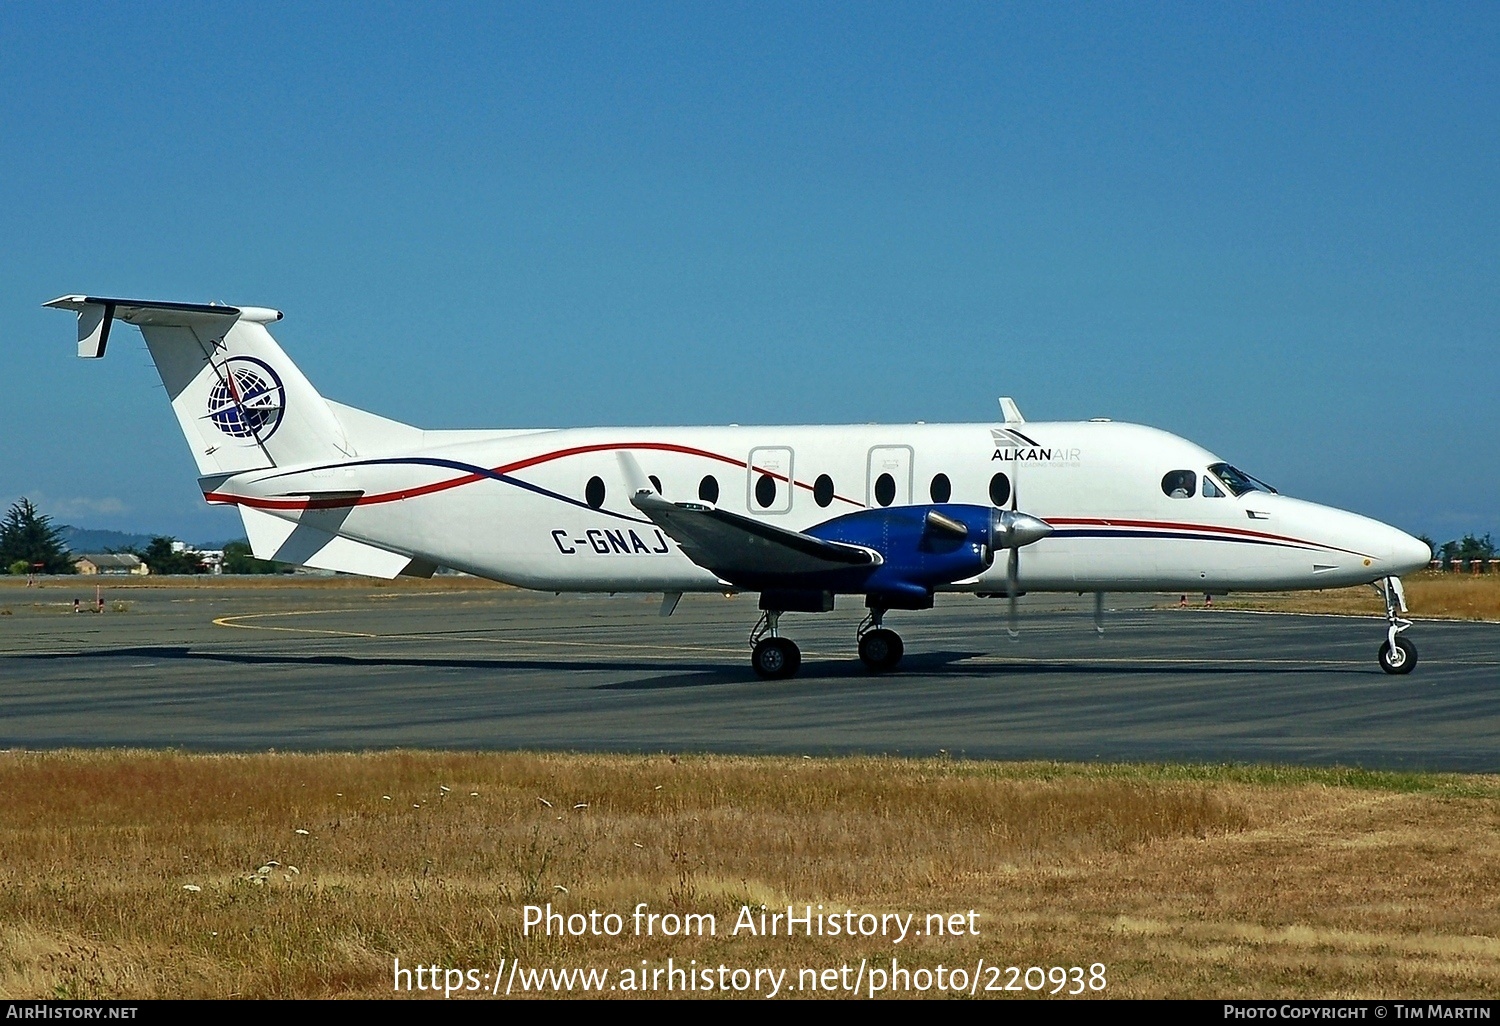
{"x": 242, "y": 404}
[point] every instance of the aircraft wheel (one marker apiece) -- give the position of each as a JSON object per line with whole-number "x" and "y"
{"x": 1401, "y": 659}
{"x": 776, "y": 658}
{"x": 880, "y": 650}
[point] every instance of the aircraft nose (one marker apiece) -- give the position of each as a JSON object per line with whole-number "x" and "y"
{"x": 1407, "y": 554}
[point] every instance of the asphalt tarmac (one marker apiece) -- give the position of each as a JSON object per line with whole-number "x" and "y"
{"x": 308, "y": 666}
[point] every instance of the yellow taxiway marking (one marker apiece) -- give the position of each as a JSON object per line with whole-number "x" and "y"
{"x": 228, "y": 621}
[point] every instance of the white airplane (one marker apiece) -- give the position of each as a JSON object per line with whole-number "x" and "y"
{"x": 892, "y": 513}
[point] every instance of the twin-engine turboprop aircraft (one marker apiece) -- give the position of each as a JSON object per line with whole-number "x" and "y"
{"x": 891, "y": 513}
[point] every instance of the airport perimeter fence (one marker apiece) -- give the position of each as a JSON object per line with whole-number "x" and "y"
{"x": 1458, "y": 565}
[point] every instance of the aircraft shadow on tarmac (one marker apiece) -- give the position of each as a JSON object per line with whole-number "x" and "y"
{"x": 689, "y": 675}
{"x": 949, "y": 666}
{"x": 436, "y": 663}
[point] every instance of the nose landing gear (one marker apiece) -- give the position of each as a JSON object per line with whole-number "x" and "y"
{"x": 1398, "y": 654}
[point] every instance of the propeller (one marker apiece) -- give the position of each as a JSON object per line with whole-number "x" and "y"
{"x": 1012, "y": 576}
{"x": 1013, "y": 560}
{"x": 1020, "y": 528}
{"x": 1011, "y": 529}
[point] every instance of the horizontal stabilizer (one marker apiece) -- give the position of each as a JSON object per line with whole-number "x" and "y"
{"x": 345, "y": 555}
{"x": 265, "y": 532}
{"x": 286, "y": 541}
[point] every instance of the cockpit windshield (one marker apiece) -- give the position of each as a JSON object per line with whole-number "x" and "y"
{"x": 1237, "y": 481}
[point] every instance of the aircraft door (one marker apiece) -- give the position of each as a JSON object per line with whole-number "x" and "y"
{"x": 769, "y": 480}
{"x": 889, "y": 480}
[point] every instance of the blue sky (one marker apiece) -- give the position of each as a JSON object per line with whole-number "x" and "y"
{"x": 1269, "y": 228}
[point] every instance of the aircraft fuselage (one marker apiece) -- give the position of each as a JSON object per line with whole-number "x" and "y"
{"x": 550, "y": 509}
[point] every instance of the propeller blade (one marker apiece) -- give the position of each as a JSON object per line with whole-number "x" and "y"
{"x": 1013, "y": 565}
{"x": 1099, "y": 612}
{"x": 1012, "y": 585}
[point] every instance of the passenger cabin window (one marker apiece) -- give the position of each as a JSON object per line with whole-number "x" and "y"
{"x": 942, "y": 488}
{"x": 655, "y": 483}
{"x": 1000, "y": 490}
{"x": 594, "y": 492}
{"x": 765, "y": 491}
{"x": 1179, "y": 484}
{"x": 823, "y": 490}
{"x": 1211, "y": 490}
{"x": 708, "y": 489}
{"x": 885, "y": 489}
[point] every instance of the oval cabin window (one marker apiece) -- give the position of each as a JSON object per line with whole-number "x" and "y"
{"x": 942, "y": 488}
{"x": 823, "y": 490}
{"x": 885, "y": 489}
{"x": 1179, "y": 484}
{"x": 1000, "y": 490}
{"x": 765, "y": 491}
{"x": 708, "y": 489}
{"x": 594, "y": 492}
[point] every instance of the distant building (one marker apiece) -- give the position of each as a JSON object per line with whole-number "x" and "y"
{"x": 111, "y": 563}
{"x": 212, "y": 559}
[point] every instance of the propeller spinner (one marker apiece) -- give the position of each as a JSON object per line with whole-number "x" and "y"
{"x": 1011, "y": 529}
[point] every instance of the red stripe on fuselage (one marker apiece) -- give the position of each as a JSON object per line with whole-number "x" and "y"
{"x": 532, "y": 461}
{"x": 1210, "y": 528}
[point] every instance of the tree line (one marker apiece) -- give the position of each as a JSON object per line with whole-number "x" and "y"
{"x": 1469, "y": 547}
{"x": 30, "y": 544}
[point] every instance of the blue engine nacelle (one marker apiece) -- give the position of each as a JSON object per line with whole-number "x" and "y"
{"x": 922, "y": 547}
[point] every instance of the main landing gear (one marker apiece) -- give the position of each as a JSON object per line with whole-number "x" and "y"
{"x": 879, "y": 649}
{"x": 776, "y": 658}
{"x": 1398, "y": 654}
{"x": 772, "y": 656}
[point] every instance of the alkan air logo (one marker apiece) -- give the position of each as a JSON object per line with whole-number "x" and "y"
{"x": 1012, "y": 446}
{"x": 248, "y": 399}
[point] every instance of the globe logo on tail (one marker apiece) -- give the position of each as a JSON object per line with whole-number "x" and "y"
{"x": 247, "y": 400}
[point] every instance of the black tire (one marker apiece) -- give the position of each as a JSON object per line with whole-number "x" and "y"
{"x": 1403, "y": 660}
{"x": 776, "y": 658}
{"x": 880, "y": 650}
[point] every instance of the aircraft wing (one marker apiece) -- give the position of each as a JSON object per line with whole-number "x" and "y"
{"x": 738, "y": 548}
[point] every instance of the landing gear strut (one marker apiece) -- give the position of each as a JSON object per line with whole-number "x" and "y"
{"x": 879, "y": 649}
{"x": 772, "y": 656}
{"x": 1397, "y": 655}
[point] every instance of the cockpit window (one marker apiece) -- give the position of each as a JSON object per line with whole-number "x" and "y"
{"x": 1239, "y": 482}
{"x": 1179, "y": 484}
{"x": 1211, "y": 490}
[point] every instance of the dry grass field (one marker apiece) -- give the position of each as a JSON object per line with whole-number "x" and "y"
{"x": 1444, "y": 596}
{"x": 1202, "y": 882}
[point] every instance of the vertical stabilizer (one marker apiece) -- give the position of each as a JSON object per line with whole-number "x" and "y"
{"x": 241, "y": 403}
